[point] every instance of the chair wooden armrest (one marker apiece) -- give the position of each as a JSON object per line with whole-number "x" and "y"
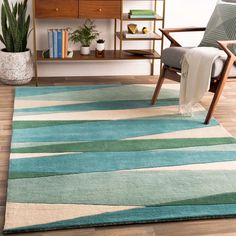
{"x": 225, "y": 46}
{"x": 167, "y": 32}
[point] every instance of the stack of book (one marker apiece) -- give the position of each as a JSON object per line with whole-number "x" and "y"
{"x": 134, "y": 14}
{"x": 58, "y": 40}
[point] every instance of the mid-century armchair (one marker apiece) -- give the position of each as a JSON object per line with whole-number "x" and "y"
{"x": 222, "y": 70}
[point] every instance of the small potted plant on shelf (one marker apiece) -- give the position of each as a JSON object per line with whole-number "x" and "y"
{"x": 85, "y": 35}
{"x": 16, "y": 64}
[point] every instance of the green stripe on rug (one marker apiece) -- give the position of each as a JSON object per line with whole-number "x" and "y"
{"x": 128, "y": 145}
{"x": 47, "y": 123}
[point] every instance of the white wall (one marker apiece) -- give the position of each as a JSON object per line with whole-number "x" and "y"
{"x": 179, "y": 13}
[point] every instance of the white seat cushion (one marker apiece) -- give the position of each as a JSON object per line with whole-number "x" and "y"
{"x": 173, "y": 57}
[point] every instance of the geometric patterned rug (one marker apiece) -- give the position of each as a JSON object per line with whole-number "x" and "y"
{"x": 100, "y": 155}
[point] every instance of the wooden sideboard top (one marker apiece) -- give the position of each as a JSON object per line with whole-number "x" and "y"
{"x": 93, "y": 9}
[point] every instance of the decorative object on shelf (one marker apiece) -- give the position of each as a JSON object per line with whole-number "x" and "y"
{"x": 100, "y": 48}
{"x": 16, "y": 64}
{"x": 142, "y": 13}
{"x": 46, "y": 54}
{"x": 132, "y": 28}
{"x": 85, "y": 35}
{"x": 145, "y": 30}
{"x": 58, "y": 43}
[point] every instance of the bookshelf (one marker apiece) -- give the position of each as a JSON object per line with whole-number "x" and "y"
{"x": 99, "y": 9}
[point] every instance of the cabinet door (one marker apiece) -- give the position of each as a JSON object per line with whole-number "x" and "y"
{"x": 100, "y": 9}
{"x": 56, "y": 8}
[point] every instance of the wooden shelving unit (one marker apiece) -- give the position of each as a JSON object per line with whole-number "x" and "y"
{"x": 96, "y": 9}
{"x": 125, "y": 17}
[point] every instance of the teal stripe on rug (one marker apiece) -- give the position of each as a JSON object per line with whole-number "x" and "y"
{"x": 105, "y": 162}
{"x": 140, "y": 215}
{"x": 113, "y": 93}
{"x": 129, "y": 188}
{"x": 104, "y": 130}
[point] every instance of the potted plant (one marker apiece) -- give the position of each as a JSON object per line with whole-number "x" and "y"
{"x": 16, "y": 65}
{"x": 85, "y": 35}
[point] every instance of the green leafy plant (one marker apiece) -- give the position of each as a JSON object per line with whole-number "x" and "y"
{"x": 15, "y": 26}
{"x": 85, "y": 34}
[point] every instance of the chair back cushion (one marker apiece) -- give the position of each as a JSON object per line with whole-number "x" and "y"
{"x": 222, "y": 24}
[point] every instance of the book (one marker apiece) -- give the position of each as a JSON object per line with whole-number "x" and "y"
{"x": 142, "y": 16}
{"x": 59, "y": 43}
{"x": 66, "y": 43}
{"x": 142, "y": 12}
{"x": 63, "y": 44}
{"x": 139, "y": 35}
{"x": 55, "y": 46}
{"x": 50, "y": 43}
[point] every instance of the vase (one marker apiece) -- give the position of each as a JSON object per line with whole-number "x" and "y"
{"x": 100, "y": 48}
{"x": 16, "y": 68}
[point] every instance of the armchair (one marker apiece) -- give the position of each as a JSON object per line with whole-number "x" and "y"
{"x": 222, "y": 70}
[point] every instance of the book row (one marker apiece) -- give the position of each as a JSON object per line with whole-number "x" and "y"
{"x": 58, "y": 41}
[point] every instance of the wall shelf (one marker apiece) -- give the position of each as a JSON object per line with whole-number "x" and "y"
{"x": 156, "y": 37}
{"x": 109, "y": 55}
{"x": 127, "y": 18}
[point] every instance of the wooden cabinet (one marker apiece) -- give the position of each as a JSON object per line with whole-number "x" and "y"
{"x": 56, "y": 9}
{"x": 96, "y": 9}
{"x": 93, "y": 9}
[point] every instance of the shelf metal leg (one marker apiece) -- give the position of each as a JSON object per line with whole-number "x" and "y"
{"x": 163, "y": 26}
{"x": 115, "y": 29}
{"x": 35, "y": 46}
{"x": 121, "y": 28}
{"x": 154, "y": 42}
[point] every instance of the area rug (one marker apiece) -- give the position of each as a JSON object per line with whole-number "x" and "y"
{"x": 101, "y": 155}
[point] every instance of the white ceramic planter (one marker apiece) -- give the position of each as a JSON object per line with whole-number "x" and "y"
{"x": 100, "y": 47}
{"x": 84, "y": 50}
{"x": 16, "y": 68}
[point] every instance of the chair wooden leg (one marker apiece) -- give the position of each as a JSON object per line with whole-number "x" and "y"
{"x": 214, "y": 102}
{"x": 158, "y": 87}
{"x": 219, "y": 91}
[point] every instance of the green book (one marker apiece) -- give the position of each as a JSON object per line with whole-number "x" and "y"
{"x": 142, "y": 17}
{"x": 142, "y": 12}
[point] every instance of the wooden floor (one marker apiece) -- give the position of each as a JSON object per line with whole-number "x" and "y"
{"x": 226, "y": 114}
